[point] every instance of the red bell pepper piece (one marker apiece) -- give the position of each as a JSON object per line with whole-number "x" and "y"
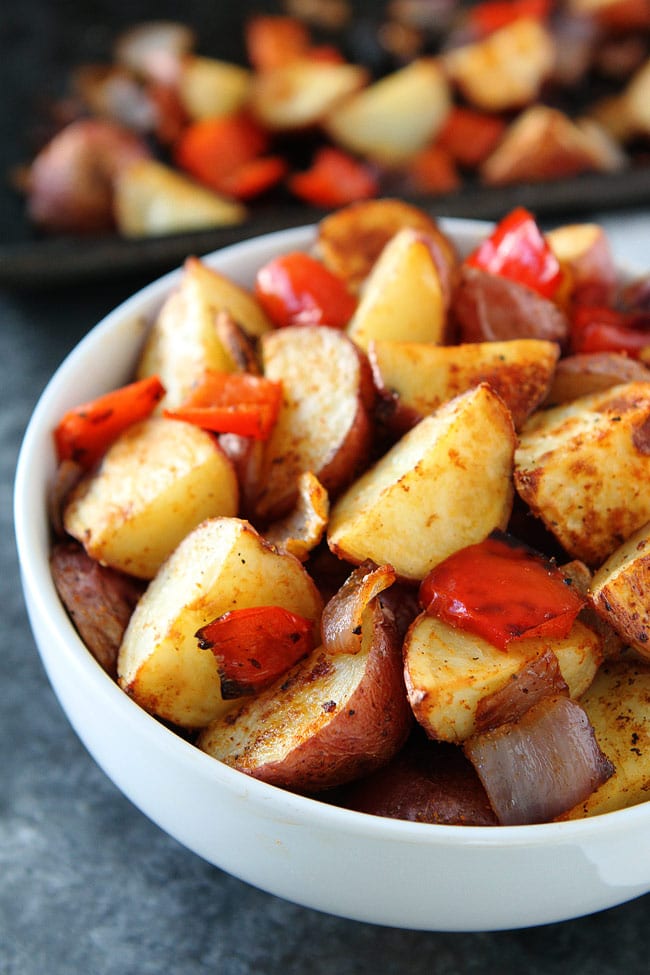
{"x": 85, "y": 433}
{"x": 432, "y": 170}
{"x": 334, "y": 179}
{"x": 492, "y": 15}
{"x": 470, "y": 136}
{"x": 212, "y": 149}
{"x": 502, "y": 591}
{"x": 602, "y": 329}
{"x": 232, "y": 403}
{"x": 254, "y": 177}
{"x": 255, "y": 646}
{"x": 296, "y": 289}
{"x": 516, "y": 249}
{"x": 273, "y": 40}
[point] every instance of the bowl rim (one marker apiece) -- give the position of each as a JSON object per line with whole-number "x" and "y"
{"x": 30, "y": 526}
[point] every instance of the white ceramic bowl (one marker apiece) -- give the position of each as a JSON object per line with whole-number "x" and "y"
{"x": 403, "y": 874}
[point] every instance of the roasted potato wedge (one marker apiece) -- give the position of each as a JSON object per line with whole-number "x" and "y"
{"x": 426, "y": 782}
{"x": 584, "y": 251}
{"x": 151, "y": 199}
{"x": 545, "y": 144}
{"x": 332, "y": 718}
{"x": 506, "y": 70}
{"x": 593, "y": 372}
{"x": 617, "y": 706}
{"x": 492, "y": 308}
{"x": 323, "y": 425}
{"x": 619, "y": 591}
{"x": 450, "y": 672}
{"x": 582, "y": 469}
{"x": 393, "y": 118}
{"x": 350, "y": 240}
{"x": 300, "y": 93}
{"x": 185, "y": 339}
{"x": 420, "y": 502}
{"x": 208, "y": 87}
{"x": 222, "y": 565}
{"x": 157, "y": 481}
{"x": 421, "y": 377}
{"x": 403, "y": 296}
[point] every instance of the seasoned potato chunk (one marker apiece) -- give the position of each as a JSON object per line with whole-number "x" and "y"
{"x": 184, "y": 340}
{"x": 446, "y": 484}
{"x": 422, "y": 377}
{"x": 323, "y": 425}
{"x": 222, "y": 565}
{"x": 620, "y": 588}
{"x": 583, "y": 469}
{"x": 351, "y": 239}
{"x": 449, "y": 672}
{"x": 332, "y": 718}
{"x": 301, "y": 92}
{"x": 618, "y": 706}
{"x": 156, "y": 482}
{"x": 403, "y": 297}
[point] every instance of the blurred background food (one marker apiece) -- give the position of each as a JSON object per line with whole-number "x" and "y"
{"x": 132, "y": 126}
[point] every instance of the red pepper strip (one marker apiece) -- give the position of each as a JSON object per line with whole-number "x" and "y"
{"x": 334, "y": 179}
{"x": 492, "y": 15}
{"x": 86, "y": 432}
{"x": 296, "y": 289}
{"x": 212, "y": 149}
{"x": 602, "y": 329}
{"x": 273, "y": 40}
{"x": 253, "y": 647}
{"x": 232, "y": 403}
{"x": 502, "y": 591}
{"x": 517, "y": 250}
{"x": 254, "y": 177}
{"x": 470, "y": 136}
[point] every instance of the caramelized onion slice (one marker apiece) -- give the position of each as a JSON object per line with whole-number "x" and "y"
{"x": 341, "y": 620}
{"x": 538, "y": 767}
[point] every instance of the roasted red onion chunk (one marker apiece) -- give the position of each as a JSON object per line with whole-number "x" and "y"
{"x": 341, "y": 620}
{"x": 539, "y": 678}
{"x": 542, "y": 765}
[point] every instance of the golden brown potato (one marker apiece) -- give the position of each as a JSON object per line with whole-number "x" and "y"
{"x": 593, "y": 372}
{"x": 208, "y": 87}
{"x": 350, "y": 240}
{"x": 403, "y": 296}
{"x": 222, "y": 565}
{"x": 617, "y": 706}
{"x": 332, "y": 718}
{"x": 421, "y": 502}
{"x": 318, "y": 367}
{"x": 185, "y": 339}
{"x": 545, "y": 144}
{"x": 395, "y": 117}
{"x": 491, "y": 308}
{"x": 450, "y": 673}
{"x": 505, "y": 70}
{"x": 582, "y": 469}
{"x": 584, "y": 251}
{"x": 151, "y": 200}
{"x": 619, "y": 591}
{"x": 157, "y": 481}
{"x": 421, "y": 377}
{"x": 301, "y": 93}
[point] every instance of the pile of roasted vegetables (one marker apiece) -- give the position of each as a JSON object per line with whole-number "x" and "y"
{"x": 164, "y": 139}
{"x": 377, "y": 528}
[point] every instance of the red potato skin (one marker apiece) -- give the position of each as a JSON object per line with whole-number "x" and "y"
{"x": 427, "y": 782}
{"x": 490, "y": 308}
{"x": 364, "y": 733}
{"x": 99, "y": 600}
{"x": 70, "y": 186}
